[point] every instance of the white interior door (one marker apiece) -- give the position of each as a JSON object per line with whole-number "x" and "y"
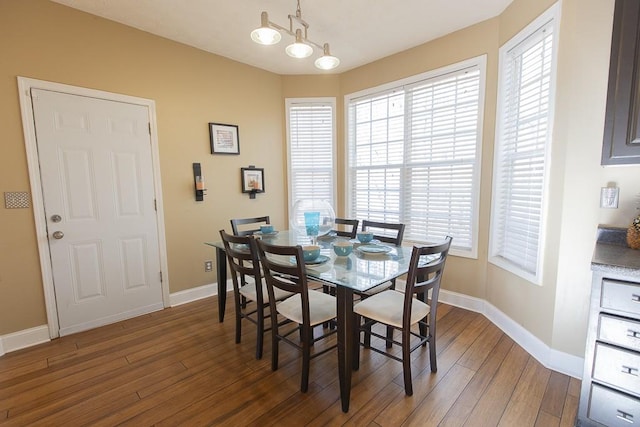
{"x": 98, "y": 189}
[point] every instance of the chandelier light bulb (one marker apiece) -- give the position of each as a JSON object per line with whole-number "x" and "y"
{"x": 265, "y": 34}
{"x": 299, "y": 49}
{"x": 327, "y": 61}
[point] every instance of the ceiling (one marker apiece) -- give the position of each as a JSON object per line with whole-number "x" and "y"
{"x": 358, "y": 31}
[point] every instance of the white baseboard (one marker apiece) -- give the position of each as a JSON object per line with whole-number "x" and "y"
{"x": 565, "y": 363}
{"x": 553, "y": 359}
{"x": 193, "y": 294}
{"x": 23, "y": 339}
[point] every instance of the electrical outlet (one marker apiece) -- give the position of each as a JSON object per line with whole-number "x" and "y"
{"x": 208, "y": 266}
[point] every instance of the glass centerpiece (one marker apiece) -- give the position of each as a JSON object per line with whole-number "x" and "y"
{"x": 312, "y": 218}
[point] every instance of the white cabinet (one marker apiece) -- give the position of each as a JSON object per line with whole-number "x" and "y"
{"x": 610, "y": 393}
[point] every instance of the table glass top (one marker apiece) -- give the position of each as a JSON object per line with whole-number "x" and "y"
{"x": 360, "y": 270}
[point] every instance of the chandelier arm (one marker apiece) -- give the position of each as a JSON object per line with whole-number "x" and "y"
{"x": 292, "y": 33}
{"x": 299, "y": 20}
{"x": 312, "y": 43}
{"x": 281, "y": 28}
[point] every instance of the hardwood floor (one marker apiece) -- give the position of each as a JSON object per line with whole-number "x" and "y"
{"x": 180, "y": 366}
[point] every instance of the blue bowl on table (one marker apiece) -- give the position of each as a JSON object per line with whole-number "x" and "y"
{"x": 364, "y": 236}
{"x": 266, "y": 229}
{"x": 342, "y": 248}
{"x": 311, "y": 252}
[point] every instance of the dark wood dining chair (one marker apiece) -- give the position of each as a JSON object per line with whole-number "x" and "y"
{"x": 249, "y": 291}
{"x": 350, "y": 228}
{"x": 284, "y": 270}
{"x": 387, "y": 232}
{"x": 246, "y": 226}
{"x": 402, "y": 310}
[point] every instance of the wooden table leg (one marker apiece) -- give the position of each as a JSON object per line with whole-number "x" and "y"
{"x": 221, "y": 270}
{"x": 344, "y": 297}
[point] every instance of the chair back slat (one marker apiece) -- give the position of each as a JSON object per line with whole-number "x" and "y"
{"x": 350, "y": 230}
{"x": 247, "y": 226}
{"x": 381, "y": 231}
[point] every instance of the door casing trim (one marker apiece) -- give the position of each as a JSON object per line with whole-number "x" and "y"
{"x": 25, "y": 85}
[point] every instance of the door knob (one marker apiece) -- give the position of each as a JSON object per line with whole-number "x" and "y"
{"x": 58, "y": 235}
{"x": 56, "y": 218}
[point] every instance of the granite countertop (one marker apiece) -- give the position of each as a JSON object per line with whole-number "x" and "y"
{"x": 612, "y": 253}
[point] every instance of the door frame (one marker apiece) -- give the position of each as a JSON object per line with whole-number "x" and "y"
{"x": 25, "y": 85}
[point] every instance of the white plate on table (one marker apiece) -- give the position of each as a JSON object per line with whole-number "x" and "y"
{"x": 320, "y": 260}
{"x": 374, "y": 249}
{"x": 270, "y": 234}
{"x": 329, "y": 236}
{"x": 370, "y": 242}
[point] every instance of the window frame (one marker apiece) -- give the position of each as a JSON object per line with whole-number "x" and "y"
{"x": 550, "y": 16}
{"x": 328, "y": 101}
{"x": 479, "y": 62}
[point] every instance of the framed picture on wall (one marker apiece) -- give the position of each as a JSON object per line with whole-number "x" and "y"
{"x": 252, "y": 180}
{"x": 224, "y": 138}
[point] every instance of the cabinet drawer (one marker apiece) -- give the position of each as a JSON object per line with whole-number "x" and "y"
{"x": 613, "y": 408}
{"x": 619, "y": 331}
{"x": 618, "y": 368}
{"x": 621, "y": 296}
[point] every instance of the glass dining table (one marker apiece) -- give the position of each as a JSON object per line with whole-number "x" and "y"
{"x": 368, "y": 266}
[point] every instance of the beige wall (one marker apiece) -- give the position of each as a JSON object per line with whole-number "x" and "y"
{"x": 191, "y": 88}
{"x": 585, "y": 49}
{"x": 528, "y": 304}
{"x": 43, "y": 40}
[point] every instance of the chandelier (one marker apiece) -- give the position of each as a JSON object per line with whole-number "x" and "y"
{"x": 269, "y": 33}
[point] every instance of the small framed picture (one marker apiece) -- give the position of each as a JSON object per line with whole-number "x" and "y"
{"x": 224, "y": 138}
{"x": 252, "y": 180}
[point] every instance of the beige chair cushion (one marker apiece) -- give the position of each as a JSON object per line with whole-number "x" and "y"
{"x": 249, "y": 292}
{"x": 380, "y": 288}
{"x": 386, "y": 307}
{"x": 322, "y": 308}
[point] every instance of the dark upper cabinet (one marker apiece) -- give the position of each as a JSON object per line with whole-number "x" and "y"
{"x": 621, "y": 143}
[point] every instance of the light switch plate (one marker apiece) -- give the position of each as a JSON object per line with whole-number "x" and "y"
{"x": 609, "y": 197}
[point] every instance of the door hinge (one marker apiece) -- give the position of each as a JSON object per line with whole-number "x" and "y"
{"x": 149, "y": 128}
{"x": 161, "y": 277}
{"x": 155, "y": 204}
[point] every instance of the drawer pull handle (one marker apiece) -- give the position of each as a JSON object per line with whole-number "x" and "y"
{"x": 630, "y": 370}
{"x": 633, "y": 334}
{"x": 625, "y": 416}
{"x": 635, "y": 297}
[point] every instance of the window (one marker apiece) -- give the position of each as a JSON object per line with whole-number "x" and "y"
{"x": 524, "y": 126}
{"x": 310, "y": 138}
{"x": 414, "y": 154}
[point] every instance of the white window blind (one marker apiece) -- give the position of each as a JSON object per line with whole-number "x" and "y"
{"x": 413, "y": 154}
{"x": 310, "y": 129}
{"x": 523, "y": 139}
